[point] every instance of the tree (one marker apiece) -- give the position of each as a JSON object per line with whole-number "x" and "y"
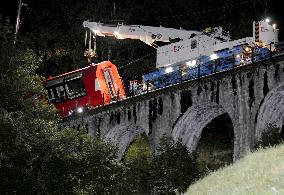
{"x": 171, "y": 170}
{"x": 138, "y": 161}
{"x": 270, "y": 137}
{"x": 35, "y": 156}
{"x": 174, "y": 169}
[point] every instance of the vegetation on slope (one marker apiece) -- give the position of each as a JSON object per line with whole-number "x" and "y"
{"x": 261, "y": 172}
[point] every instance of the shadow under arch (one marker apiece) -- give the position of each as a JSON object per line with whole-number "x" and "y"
{"x": 190, "y": 125}
{"x": 123, "y": 135}
{"x": 271, "y": 111}
{"x": 207, "y": 123}
{"x": 215, "y": 147}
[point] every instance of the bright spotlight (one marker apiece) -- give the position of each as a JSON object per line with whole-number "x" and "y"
{"x": 191, "y": 63}
{"x": 213, "y": 56}
{"x": 116, "y": 33}
{"x": 80, "y": 110}
{"x": 274, "y": 26}
{"x": 267, "y": 20}
{"x": 169, "y": 69}
{"x": 238, "y": 56}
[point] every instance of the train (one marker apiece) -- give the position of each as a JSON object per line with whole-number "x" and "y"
{"x": 219, "y": 61}
{"x": 86, "y": 88}
{"x": 197, "y": 54}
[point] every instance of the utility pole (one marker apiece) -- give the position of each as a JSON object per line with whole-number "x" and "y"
{"x": 265, "y": 9}
{"x": 18, "y": 20}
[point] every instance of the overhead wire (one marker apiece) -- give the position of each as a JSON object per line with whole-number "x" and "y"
{"x": 136, "y": 60}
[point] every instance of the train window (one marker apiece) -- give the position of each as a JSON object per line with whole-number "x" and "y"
{"x": 97, "y": 85}
{"x": 110, "y": 82}
{"x": 56, "y": 94}
{"x": 193, "y": 44}
{"x": 60, "y": 93}
{"x": 113, "y": 80}
{"x": 52, "y": 95}
{"x": 54, "y": 82}
{"x": 73, "y": 76}
{"x": 75, "y": 88}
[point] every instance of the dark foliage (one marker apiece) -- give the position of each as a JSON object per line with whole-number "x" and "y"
{"x": 170, "y": 171}
{"x": 270, "y": 137}
{"x": 173, "y": 169}
{"x": 35, "y": 157}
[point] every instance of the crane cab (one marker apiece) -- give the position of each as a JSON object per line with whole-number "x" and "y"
{"x": 85, "y": 88}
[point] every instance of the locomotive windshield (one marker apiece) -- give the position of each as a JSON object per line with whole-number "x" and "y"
{"x": 66, "y": 88}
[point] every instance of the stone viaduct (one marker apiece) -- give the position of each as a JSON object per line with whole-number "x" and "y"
{"x": 252, "y": 96}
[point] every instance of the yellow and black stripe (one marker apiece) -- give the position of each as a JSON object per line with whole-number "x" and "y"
{"x": 244, "y": 52}
{"x": 256, "y": 33}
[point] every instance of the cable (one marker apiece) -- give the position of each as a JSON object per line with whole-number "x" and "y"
{"x": 136, "y": 60}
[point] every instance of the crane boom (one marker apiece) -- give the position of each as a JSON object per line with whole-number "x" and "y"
{"x": 147, "y": 34}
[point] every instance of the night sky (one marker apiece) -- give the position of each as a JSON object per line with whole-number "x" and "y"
{"x": 274, "y": 10}
{"x": 9, "y": 8}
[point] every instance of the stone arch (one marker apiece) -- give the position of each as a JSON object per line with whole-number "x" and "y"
{"x": 271, "y": 111}
{"x": 190, "y": 125}
{"x": 123, "y": 135}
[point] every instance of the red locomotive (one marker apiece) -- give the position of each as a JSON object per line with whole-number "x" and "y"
{"x": 92, "y": 86}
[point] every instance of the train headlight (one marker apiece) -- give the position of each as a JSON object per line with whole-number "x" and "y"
{"x": 169, "y": 69}
{"x": 70, "y": 112}
{"x": 80, "y": 110}
{"x": 213, "y": 56}
{"x": 267, "y": 20}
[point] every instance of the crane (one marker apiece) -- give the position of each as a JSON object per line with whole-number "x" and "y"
{"x": 184, "y": 45}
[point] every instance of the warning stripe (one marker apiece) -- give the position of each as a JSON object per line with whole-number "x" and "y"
{"x": 256, "y": 34}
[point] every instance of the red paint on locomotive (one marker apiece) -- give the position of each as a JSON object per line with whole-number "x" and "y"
{"x": 85, "y": 88}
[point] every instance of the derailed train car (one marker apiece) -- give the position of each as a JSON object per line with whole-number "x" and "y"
{"x": 85, "y": 88}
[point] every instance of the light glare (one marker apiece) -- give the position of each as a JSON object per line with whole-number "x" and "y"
{"x": 191, "y": 63}
{"x": 213, "y": 56}
{"x": 169, "y": 69}
{"x": 80, "y": 110}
